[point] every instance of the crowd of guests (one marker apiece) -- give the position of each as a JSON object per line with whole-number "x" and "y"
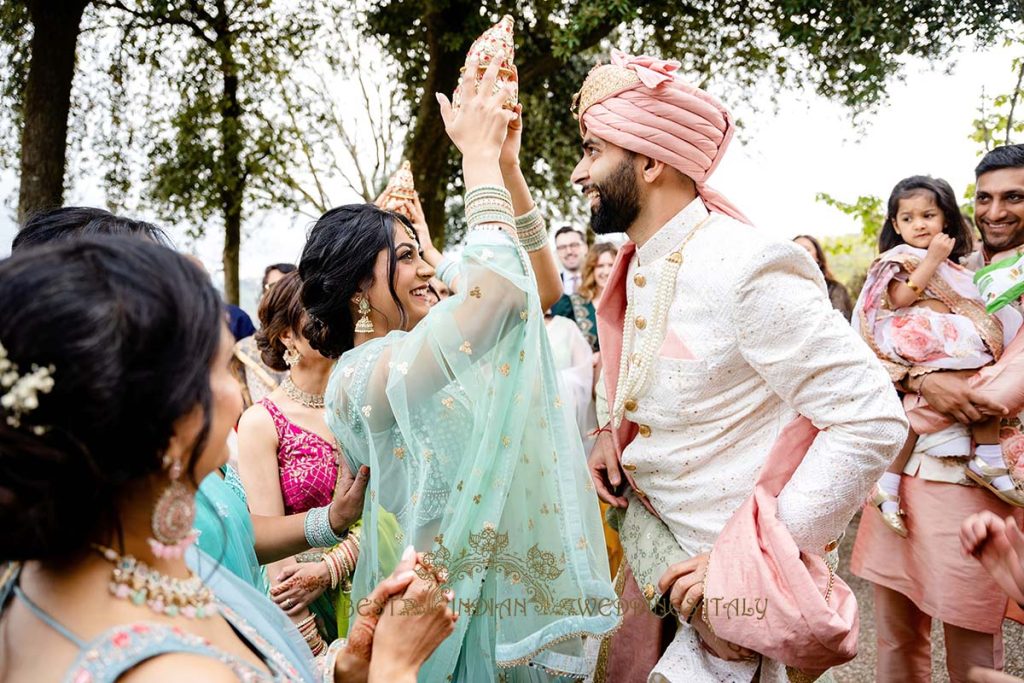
{"x": 131, "y": 389}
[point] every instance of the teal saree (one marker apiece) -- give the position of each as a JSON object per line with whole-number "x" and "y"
{"x": 471, "y": 449}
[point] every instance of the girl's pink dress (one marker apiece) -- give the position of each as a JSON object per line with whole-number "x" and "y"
{"x": 916, "y": 340}
{"x": 307, "y": 463}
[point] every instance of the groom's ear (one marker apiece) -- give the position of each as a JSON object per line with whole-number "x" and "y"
{"x": 651, "y": 169}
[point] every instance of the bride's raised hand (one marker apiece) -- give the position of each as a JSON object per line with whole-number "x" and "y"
{"x": 479, "y": 126}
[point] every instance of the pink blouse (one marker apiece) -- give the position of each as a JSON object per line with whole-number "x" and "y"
{"x": 306, "y": 461}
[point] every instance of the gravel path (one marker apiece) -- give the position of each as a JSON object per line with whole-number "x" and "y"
{"x": 862, "y": 668}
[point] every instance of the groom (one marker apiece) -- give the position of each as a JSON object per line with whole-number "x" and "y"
{"x": 714, "y": 337}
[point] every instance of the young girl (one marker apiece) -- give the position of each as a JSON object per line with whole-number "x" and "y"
{"x": 921, "y": 312}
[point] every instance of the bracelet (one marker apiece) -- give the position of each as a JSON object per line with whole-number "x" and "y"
{"x": 500, "y": 217}
{"x": 914, "y": 288}
{"x": 330, "y": 660}
{"x": 493, "y": 196}
{"x": 317, "y": 526}
{"x": 921, "y": 385}
{"x": 532, "y": 230}
{"x": 488, "y": 191}
{"x": 447, "y": 271}
{"x": 332, "y": 570}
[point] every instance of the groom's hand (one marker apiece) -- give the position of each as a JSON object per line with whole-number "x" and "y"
{"x": 605, "y": 471}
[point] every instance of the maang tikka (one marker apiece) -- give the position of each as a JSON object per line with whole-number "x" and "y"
{"x": 173, "y": 516}
{"x": 364, "y": 325}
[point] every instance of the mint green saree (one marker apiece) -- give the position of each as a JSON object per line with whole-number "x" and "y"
{"x": 470, "y": 448}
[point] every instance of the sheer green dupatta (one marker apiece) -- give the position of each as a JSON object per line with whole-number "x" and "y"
{"x": 470, "y": 449}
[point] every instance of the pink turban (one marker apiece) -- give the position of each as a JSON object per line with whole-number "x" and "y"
{"x": 637, "y": 103}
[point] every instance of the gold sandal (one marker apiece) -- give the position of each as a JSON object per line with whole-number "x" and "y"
{"x": 986, "y": 473}
{"x": 893, "y": 520}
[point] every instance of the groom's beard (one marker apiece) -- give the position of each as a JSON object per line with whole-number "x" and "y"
{"x": 619, "y": 201}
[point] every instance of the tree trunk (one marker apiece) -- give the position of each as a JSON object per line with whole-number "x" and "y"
{"x": 55, "y": 28}
{"x": 233, "y": 176}
{"x": 429, "y": 148}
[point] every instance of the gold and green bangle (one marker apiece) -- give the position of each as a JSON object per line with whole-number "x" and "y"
{"x": 502, "y": 217}
{"x": 532, "y": 230}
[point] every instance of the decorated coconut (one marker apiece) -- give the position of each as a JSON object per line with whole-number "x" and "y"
{"x": 497, "y": 40}
{"x": 401, "y": 188}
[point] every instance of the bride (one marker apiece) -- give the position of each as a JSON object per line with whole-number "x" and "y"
{"x": 472, "y": 455}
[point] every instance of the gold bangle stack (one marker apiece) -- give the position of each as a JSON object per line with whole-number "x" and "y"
{"x": 341, "y": 562}
{"x": 311, "y": 634}
{"x": 914, "y": 288}
{"x": 489, "y": 204}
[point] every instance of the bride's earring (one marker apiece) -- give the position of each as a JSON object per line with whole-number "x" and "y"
{"x": 364, "y": 325}
{"x": 173, "y": 517}
{"x": 292, "y": 357}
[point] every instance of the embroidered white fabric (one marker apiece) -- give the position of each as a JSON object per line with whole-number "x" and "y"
{"x": 752, "y": 340}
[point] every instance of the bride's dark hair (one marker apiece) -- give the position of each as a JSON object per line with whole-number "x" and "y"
{"x": 338, "y": 259}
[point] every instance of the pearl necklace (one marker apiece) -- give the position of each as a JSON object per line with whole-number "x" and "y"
{"x": 633, "y": 377}
{"x": 300, "y": 396}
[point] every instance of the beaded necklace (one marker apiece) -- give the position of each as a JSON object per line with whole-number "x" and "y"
{"x": 300, "y": 396}
{"x": 141, "y": 584}
{"x": 633, "y": 377}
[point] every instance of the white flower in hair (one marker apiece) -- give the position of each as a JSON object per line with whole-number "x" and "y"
{"x": 22, "y": 391}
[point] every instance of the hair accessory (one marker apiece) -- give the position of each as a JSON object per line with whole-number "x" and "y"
{"x": 292, "y": 357}
{"x": 364, "y": 325}
{"x": 173, "y": 515}
{"x": 136, "y": 581}
{"x": 22, "y": 391}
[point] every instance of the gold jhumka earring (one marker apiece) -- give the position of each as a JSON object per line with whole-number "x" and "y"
{"x": 364, "y": 325}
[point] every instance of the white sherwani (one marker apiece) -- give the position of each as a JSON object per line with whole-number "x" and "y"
{"x": 764, "y": 344}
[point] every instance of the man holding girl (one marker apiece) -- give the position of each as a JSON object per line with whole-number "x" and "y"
{"x": 926, "y": 575}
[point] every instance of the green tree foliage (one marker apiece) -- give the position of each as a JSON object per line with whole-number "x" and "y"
{"x": 198, "y": 91}
{"x": 867, "y": 210}
{"x": 15, "y": 36}
{"x": 846, "y": 50}
{"x": 1001, "y": 118}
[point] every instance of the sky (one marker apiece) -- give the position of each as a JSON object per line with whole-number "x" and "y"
{"x": 772, "y": 171}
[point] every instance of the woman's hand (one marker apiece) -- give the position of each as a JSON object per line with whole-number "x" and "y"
{"x": 719, "y": 648}
{"x": 999, "y": 545}
{"x": 509, "y": 157}
{"x": 605, "y": 470}
{"x": 347, "y": 501}
{"x": 369, "y": 609}
{"x": 980, "y": 675}
{"x": 480, "y": 125}
{"x": 413, "y": 210}
{"x": 410, "y": 629}
{"x": 300, "y": 584}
